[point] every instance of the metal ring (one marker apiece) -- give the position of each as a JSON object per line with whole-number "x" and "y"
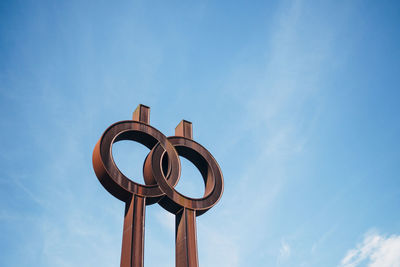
{"x": 113, "y": 179}
{"x": 205, "y": 163}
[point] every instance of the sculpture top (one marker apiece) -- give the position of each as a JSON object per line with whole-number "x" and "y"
{"x": 161, "y": 172}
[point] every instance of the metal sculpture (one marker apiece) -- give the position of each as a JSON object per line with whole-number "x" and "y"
{"x": 161, "y": 172}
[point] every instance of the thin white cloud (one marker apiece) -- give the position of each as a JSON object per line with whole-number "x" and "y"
{"x": 275, "y": 104}
{"x": 167, "y": 220}
{"x": 217, "y": 247}
{"x": 376, "y": 251}
{"x": 284, "y": 252}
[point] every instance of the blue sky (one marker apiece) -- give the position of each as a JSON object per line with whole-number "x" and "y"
{"x": 297, "y": 100}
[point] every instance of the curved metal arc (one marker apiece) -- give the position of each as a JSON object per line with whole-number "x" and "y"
{"x": 175, "y": 201}
{"x": 112, "y": 178}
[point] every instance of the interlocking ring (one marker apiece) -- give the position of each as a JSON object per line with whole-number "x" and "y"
{"x": 161, "y": 169}
{"x": 161, "y": 172}
{"x": 205, "y": 163}
{"x": 113, "y": 179}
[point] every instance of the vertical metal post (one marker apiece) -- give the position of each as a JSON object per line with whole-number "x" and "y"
{"x": 142, "y": 114}
{"x": 133, "y": 234}
{"x": 132, "y": 252}
{"x": 185, "y": 239}
{"x": 185, "y": 220}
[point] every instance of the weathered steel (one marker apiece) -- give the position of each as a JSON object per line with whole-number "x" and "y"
{"x": 135, "y": 195}
{"x": 161, "y": 172}
{"x": 132, "y": 251}
{"x": 184, "y": 129}
{"x": 186, "y": 208}
{"x": 186, "y": 238}
{"x": 142, "y": 114}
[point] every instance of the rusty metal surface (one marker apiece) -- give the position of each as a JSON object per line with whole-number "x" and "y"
{"x": 133, "y": 234}
{"x": 186, "y": 239}
{"x": 161, "y": 172}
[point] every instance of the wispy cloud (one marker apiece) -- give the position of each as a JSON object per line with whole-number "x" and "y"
{"x": 284, "y": 252}
{"x": 280, "y": 114}
{"x": 167, "y": 220}
{"x": 375, "y": 250}
{"x": 270, "y": 94}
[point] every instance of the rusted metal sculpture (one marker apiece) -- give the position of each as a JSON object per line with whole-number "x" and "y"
{"x": 161, "y": 172}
